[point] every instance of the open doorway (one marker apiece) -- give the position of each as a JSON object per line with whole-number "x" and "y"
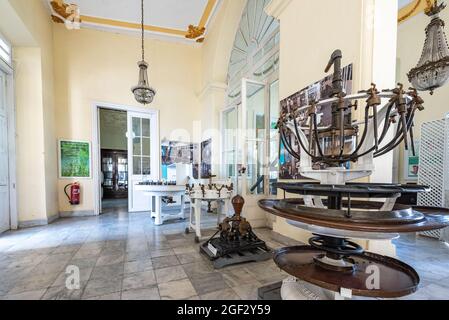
{"x": 126, "y": 153}
{"x": 114, "y": 159}
{"x": 8, "y": 201}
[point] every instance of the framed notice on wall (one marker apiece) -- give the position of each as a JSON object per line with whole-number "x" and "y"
{"x": 74, "y": 159}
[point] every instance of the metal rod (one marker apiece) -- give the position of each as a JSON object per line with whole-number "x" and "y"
{"x": 288, "y": 146}
{"x": 409, "y": 124}
{"x": 317, "y": 139}
{"x": 365, "y": 132}
{"x": 375, "y": 129}
{"x": 310, "y": 134}
{"x": 412, "y": 141}
{"x": 387, "y": 123}
{"x": 342, "y": 131}
{"x": 358, "y": 96}
{"x": 298, "y": 137}
{"x": 404, "y": 130}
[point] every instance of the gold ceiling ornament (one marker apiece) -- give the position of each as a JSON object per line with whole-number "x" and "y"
{"x": 56, "y": 19}
{"x": 69, "y": 14}
{"x": 414, "y": 8}
{"x": 196, "y": 33}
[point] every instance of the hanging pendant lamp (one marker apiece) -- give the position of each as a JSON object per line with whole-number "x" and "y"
{"x": 432, "y": 71}
{"x": 143, "y": 93}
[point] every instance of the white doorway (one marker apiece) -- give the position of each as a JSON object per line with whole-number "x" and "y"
{"x": 8, "y": 202}
{"x": 143, "y": 157}
{"x": 143, "y": 153}
{"x": 5, "y": 221}
{"x": 256, "y": 114}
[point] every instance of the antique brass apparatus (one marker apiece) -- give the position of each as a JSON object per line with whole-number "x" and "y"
{"x": 343, "y": 140}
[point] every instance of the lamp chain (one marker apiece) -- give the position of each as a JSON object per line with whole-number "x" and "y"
{"x": 143, "y": 33}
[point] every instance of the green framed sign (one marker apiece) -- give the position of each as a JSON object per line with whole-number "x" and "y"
{"x": 74, "y": 159}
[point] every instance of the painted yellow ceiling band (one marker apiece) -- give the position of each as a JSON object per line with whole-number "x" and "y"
{"x": 414, "y": 8}
{"x": 207, "y": 13}
{"x": 130, "y": 25}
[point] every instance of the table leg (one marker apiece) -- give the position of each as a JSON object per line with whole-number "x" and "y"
{"x": 159, "y": 220}
{"x": 183, "y": 206}
{"x": 221, "y": 211}
{"x": 192, "y": 204}
{"x": 198, "y": 218}
{"x": 226, "y": 207}
{"x": 153, "y": 207}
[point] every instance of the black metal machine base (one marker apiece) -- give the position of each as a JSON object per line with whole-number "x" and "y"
{"x": 271, "y": 292}
{"x": 227, "y": 255}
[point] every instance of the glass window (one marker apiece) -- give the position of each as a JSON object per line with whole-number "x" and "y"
{"x": 256, "y": 133}
{"x": 146, "y": 166}
{"x": 5, "y": 50}
{"x": 137, "y": 127}
{"x": 141, "y": 146}
{"x": 137, "y": 165}
{"x": 230, "y": 125}
{"x": 146, "y": 128}
{"x": 146, "y": 147}
{"x": 274, "y": 136}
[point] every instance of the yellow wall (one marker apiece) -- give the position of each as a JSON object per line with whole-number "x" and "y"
{"x": 99, "y": 66}
{"x": 411, "y": 37}
{"x": 30, "y": 32}
{"x": 309, "y": 35}
{"x": 216, "y": 54}
{"x": 31, "y": 188}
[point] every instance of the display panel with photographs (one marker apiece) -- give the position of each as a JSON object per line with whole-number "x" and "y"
{"x": 288, "y": 165}
{"x": 206, "y": 159}
{"x": 181, "y": 153}
{"x": 184, "y": 153}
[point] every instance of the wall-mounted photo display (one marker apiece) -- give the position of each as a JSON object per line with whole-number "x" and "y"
{"x": 74, "y": 159}
{"x": 196, "y": 161}
{"x": 174, "y": 153}
{"x": 206, "y": 159}
{"x": 289, "y": 166}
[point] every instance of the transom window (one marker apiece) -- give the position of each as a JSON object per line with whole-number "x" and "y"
{"x": 5, "y": 50}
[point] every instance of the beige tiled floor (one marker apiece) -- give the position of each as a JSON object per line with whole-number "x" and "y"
{"x": 124, "y": 256}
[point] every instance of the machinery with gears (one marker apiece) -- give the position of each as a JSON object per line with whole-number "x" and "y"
{"x": 235, "y": 241}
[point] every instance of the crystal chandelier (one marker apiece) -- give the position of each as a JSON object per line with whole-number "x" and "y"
{"x": 432, "y": 71}
{"x": 143, "y": 92}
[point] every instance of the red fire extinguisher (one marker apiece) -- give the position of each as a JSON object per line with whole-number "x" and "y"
{"x": 75, "y": 193}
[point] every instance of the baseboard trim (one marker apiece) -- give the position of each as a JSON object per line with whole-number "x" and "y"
{"x": 37, "y": 222}
{"x": 77, "y": 214}
{"x": 53, "y": 218}
{"x": 32, "y": 223}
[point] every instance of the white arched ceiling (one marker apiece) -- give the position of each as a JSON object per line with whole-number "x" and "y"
{"x": 255, "y": 52}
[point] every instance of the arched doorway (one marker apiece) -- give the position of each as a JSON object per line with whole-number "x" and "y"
{"x": 252, "y": 106}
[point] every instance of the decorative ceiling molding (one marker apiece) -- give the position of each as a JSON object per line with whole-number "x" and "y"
{"x": 130, "y": 25}
{"x": 195, "y": 32}
{"x": 69, "y": 14}
{"x": 213, "y": 86}
{"x": 276, "y": 7}
{"x": 414, "y": 8}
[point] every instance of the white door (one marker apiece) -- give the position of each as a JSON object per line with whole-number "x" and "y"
{"x": 4, "y": 169}
{"x": 143, "y": 157}
{"x": 253, "y": 142}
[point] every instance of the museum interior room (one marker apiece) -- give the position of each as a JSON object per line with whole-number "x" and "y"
{"x": 224, "y": 150}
